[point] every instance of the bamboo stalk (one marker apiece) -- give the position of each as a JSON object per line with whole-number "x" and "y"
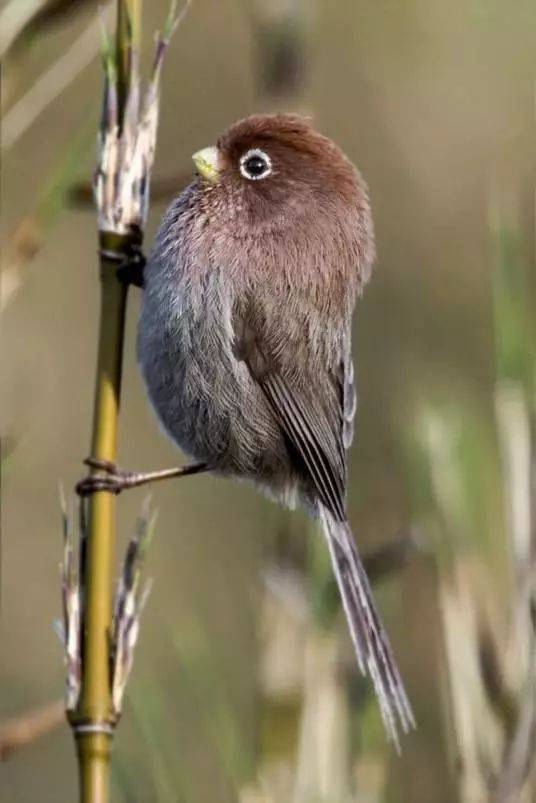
{"x": 99, "y": 637}
{"x": 93, "y": 720}
{"x": 98, "y": 631}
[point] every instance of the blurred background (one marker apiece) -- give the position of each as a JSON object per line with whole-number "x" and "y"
{"x": 244, "y": 687}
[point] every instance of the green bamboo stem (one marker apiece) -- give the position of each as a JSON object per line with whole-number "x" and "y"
{"x": 93, "y": 750}
{"x": 94, "y": 709}
{"x": 93, "y": 720}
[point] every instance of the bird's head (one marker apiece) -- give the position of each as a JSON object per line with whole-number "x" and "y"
{"x": 274, "y": 174}
{"x": 276, "y": 159}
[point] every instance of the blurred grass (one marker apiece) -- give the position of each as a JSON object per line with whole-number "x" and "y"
{"x": 513, "y": 306}
{"x": 31, "y": 232}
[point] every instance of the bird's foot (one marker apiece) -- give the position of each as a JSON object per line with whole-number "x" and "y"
{"x": 112, "y": 479}
{"x": 115, "y": 480}
{"x": 131, "y": 262}
{"x": 131, "y": 270}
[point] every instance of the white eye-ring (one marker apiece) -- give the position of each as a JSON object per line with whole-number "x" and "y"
{"x": 255, "y": 164}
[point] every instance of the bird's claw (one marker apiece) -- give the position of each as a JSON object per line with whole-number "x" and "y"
{"x": 131, "y": 270}
{"x": 113, "y": 480}
{"x": 130, "y": 264}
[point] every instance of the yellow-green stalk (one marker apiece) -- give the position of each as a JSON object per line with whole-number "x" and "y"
{"x": 94, "y": 717}
{"x": 99, "y": 637}
{"x": 93, "y": 720}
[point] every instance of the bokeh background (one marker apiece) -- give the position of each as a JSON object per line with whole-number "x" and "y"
{"x": 244, "y": 686}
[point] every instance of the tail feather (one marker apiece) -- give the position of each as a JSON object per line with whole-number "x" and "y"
{"x": 370, "y": 640}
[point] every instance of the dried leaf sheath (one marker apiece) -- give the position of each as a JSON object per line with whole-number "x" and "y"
{"x": 130, "y": 600}
{"x": 126, "y": 151}
{"x": 70, "y": 632}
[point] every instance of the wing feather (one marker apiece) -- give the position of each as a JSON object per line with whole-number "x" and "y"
{"x": 297, "y": 427}
{"x": 313, "y": 426}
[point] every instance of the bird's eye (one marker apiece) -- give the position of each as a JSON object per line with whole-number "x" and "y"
{"x": 255, "y": 164}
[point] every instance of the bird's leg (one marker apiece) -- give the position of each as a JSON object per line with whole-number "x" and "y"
{"x": 114, "y": 480}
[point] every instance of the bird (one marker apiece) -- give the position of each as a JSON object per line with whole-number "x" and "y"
{"x": 244, "y": 339}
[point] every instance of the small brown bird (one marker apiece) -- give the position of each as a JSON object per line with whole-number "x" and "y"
{"x": 244, "y": 338}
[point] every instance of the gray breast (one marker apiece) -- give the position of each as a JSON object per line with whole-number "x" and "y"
{"x": 203, "y": 395}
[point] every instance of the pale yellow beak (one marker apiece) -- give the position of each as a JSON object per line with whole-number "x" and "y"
{"x": 207, "y": 163}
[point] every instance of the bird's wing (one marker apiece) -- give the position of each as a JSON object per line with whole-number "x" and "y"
{"x": 311, "y": 417}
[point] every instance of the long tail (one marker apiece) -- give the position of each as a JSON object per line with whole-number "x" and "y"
{"x": 370, "y": 640}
